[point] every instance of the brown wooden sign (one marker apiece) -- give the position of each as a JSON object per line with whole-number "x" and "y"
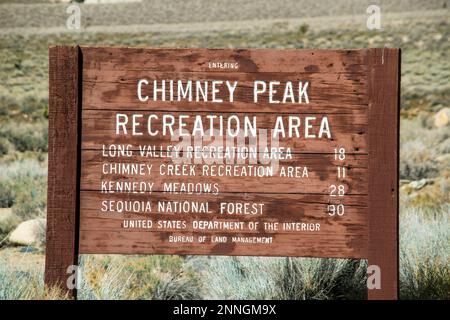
{"x": 224, "y": 152}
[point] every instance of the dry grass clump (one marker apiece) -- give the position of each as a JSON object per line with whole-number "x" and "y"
{"x": 420, "y": 148}
{"x": 136, "y": 277}
{"x": 23, "y": 187}
{"x": 284, "y": 278}
{"x": 424, "y": 155}
{"x": 424, "y": 252}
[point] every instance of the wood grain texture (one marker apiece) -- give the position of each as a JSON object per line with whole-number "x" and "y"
{"x": 322, "y": 95}
{"x": 276, "y": 205}
{"x": 111, "y": 77}
{"x": 250, "y": 61}
{"x": 354, "y": 88}
{"x": 384, "y": 92}
{"x": 340, "y": 237}
{"x": 63, "y": 166}
{"x": 357, "y": 89}
{"x": 322, "y": 173}
{"x": 347, "y": 131}
{"x": 321, "y": 86}
{"x": 337, "y": 82}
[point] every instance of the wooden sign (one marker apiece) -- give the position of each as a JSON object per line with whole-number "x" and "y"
{"x": 224, "y": 152}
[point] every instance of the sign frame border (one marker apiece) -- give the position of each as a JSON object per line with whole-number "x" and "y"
{"x": 64, "y": 167}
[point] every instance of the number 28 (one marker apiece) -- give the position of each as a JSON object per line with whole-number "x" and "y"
{"x": 337, "y": 190}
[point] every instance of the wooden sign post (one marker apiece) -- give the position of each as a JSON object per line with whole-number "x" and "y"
{"x": 224, "y": 152}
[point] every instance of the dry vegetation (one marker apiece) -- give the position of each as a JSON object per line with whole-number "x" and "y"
{"x": 424, "y": 38}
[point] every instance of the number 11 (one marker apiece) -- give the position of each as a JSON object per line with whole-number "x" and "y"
{"x": 342, "y": 172}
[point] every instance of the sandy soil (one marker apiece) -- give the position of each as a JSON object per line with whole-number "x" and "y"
{"x": 151, "y": 12}
{"x": 246, "y": 26}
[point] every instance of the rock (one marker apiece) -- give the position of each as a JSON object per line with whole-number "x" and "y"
{"x": 442, "y": 118}
{"x": 404, "y": 182}
{"x": 28, "y": 250}
{"x": 29, "y": 233}
{"x": 445, "y": 158}
{"x": 6, "y": 214}
{"x": 419, "y": 184}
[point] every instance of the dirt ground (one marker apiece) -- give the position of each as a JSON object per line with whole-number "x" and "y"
{"x": 151, "y": 12}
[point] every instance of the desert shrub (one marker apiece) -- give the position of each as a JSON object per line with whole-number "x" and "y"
{"x": 5, "y": 146}
{"x": 8, "y": 222}
{"x": 25, "y": 105}
{"x": 101, "y": 277}
{"x": 26, "y": 136}
{"x": 24, "y": 188}
{"x": 424, "y": 254}
{"x": 21, "y": 279}
{"x": 137, "y": 277}
{"x": 417, "y": 161}
{"x": 158, "y": 277}
{"x": 430, "y": 197}
{"x": 304, "y": 27}
{"x": 33, "y": 106}
{"x": 30, "y": 197}
{"x": 419, "y": 148}
{"x": 102, "y": 281}
{"x": 6, "y": 194}
{"x": 7, "y": 105}
{"x": 444, "y": 147}
{"x": 284, "y": 278}
{"x": 18, "y": 284}
{"x": 15, "y": 285}
{"x": 322, "y": 279}
{"x": 177, "y": 286}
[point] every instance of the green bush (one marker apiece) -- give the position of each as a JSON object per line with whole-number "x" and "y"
{"x": 303, "y": 28}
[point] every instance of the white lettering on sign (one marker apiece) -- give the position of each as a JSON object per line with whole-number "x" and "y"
{"x": 212, "y": 91}
{"x": 309, "y": 127}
